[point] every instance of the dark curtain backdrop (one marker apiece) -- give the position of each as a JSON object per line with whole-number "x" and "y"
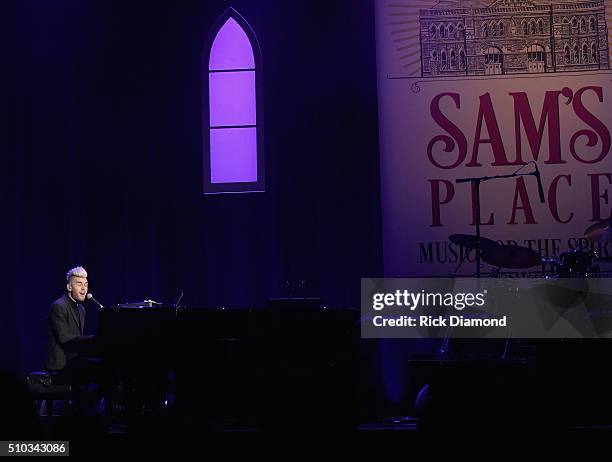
{"x": 102, "y": 156}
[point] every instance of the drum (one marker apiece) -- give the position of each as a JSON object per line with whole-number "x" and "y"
{"x": 551, "y": 267}
{"x": 576, "y": 263}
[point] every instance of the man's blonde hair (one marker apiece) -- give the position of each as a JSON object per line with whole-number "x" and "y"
{"x": 77, "y": 272}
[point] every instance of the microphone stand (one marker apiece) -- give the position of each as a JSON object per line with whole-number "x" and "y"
{"x": 477, "y": 181}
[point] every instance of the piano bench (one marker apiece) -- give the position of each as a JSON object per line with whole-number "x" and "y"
{"x": 46, "y": 387}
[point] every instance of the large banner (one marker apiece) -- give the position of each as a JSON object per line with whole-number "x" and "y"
{"x": 483, "y": 88}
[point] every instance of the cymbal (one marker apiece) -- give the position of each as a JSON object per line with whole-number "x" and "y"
{"x": 600, "y": 231}
{"x": 512, "y": 256}
{"x": 471, "y": 242}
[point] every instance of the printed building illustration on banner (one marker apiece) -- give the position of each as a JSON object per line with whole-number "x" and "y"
{"x": 472, "y": 37}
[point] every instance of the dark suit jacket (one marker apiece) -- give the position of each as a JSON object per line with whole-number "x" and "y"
{"x": 66, "y": 322}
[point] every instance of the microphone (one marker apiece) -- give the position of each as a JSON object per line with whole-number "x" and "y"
{"x": 540, "y": 188}
{"x": 91, "y": 297}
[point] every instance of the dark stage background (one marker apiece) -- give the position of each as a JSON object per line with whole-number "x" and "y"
{"x": 102, "y": 156}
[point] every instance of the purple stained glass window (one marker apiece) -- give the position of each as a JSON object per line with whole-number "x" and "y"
{"x": 232, "y": 98}
{"x": 231, "y": 159}
{"x": 234, "y": 159}
{"x": 231, "y": 48}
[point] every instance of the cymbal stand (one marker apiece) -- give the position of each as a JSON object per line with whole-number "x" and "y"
{"x": 476, "y": 181}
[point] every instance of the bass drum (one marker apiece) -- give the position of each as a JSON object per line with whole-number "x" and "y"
{"x": 577, "y": 263}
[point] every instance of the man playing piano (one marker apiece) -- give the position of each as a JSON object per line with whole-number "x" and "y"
{"x": 67, "y": 346}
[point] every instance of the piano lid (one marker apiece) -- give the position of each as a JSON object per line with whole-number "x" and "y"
{"x": 143, "y": 304}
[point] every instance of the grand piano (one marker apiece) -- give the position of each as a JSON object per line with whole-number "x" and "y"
{"x": 220, "y": 362}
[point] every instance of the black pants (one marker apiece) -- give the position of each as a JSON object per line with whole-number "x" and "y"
{"x": 83, "y": 371}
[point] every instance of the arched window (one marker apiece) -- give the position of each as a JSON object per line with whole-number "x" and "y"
{"x": 443, "y": 59}
{"x": 451, "y": 30}
{"x": 501, "y": 28}
{"x": 485, "y": 30}
{"x": 583, "y": 26}
{"x": 532, "y": 27}
{"x": 493, "y": 55}
{"x": 536, "y": 53}
{"x": 565, "y": 27}
{"x": 574, "y": 26}
{"x": 576, "y": 56}
{"x": 434, "y": 55}
{"x": 462, "y": 60}
{"x": 567, "y": 54}
{"x": 494, "y": 30}
{"x": 494, "y": 61}
{"x": 525, "y": 28}
{"x": 592, "y": 24}
{"x": 433, "y": 31}
{"x": 541, "y": 27}
{"x": 442, "y": 31}
{"x": 536, "y": 59}
{"x": 593, "y": 53}
{"x": 459, "y": 31}
{"x": 233, "y": 161}
{"x": 585, "y": 53}
{"x": 453, "y": 59}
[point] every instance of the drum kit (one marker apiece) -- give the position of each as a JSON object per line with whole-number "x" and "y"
{"x": 573, "y": 263}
